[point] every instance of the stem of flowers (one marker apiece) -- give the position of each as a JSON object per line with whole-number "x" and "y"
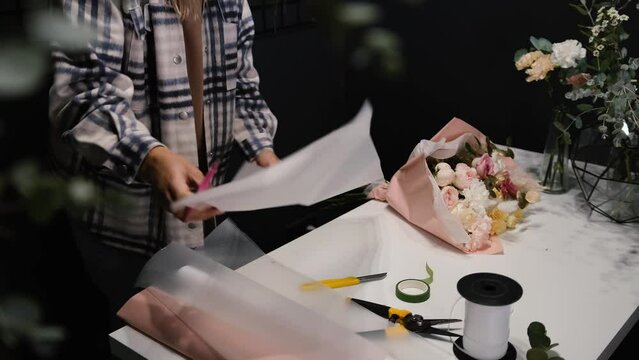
{"x": 592, "y": 21}
{"x": 555, "y": 167}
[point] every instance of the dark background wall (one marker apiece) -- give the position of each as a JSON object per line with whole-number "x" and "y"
{"x": 458, "y": 62}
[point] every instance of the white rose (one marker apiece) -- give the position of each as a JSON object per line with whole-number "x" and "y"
{"x": 444, "y": 175}
{"x": 565, "y": 54}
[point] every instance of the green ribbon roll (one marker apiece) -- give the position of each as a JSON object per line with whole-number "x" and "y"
{"x": 415, "y": 290}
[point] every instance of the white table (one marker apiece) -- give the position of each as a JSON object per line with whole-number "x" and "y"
{"x": 579, "y": 272}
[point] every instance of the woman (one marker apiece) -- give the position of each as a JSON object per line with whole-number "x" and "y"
{"x": 159, "y": 96}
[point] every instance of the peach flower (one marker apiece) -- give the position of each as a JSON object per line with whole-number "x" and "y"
{"x": 528, "y": 59}
{"x": 532, "y": 197}
{"x": 464, "y": 174}
{"x": 450, "y": 196}
{"x": 480, "y": 234}
{"x": 540, "y": 68}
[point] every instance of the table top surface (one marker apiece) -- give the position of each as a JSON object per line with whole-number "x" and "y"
{"x": 578, "y": 271}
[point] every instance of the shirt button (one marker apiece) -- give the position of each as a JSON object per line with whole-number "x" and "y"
{"x": 183, "y": 115}
{"x": 211, "y": 154}
{"x": 207, "y": 101}
{"x": 206, "y": 49}
{"x": 192, "y": 226}
{"x": 177, "y": 59}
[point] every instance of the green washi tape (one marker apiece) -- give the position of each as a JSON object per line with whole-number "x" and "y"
{"x": 412, "y": 290}
{"x": 415, "y": 290}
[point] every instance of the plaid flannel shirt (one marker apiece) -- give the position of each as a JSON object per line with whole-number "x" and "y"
{"x": 99, "y": 108}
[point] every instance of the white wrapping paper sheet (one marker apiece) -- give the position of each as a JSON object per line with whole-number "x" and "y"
{"x": 350, "y": 246}
{"x": 230, "y": 246}
{"x": 338, "y": 162}
{"x": 292, "y": 330}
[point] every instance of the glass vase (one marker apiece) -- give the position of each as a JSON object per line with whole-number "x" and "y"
{"x": 608, "y": 176}
{"x": 553, "y": 174}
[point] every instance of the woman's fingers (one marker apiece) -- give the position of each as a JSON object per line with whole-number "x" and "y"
{"x": 199, "y": 215}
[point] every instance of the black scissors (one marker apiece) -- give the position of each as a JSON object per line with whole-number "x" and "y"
{"x": 412, "y": 322}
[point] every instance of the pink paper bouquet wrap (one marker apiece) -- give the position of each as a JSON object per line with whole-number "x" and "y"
{"x": 194, "y": 333}
{"x": 414, "y": 193}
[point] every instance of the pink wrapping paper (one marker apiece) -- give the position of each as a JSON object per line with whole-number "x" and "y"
{"x": 190, "y": 330}
{"x": 203, "y": 310}
{"x": 414, "y": 193}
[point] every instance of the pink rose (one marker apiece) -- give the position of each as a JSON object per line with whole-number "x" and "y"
{"x": 484, "y": 165}
{"x": 450, "y": 196}
{"x": 444, "y": 174}
{"x": 578, "y": 80}
{"x": 480, "y": 234}
{"x": 463, "y": 175}
{"x": 507, "y": 187}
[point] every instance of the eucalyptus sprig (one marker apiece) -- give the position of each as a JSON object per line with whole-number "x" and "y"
{"x": 540, "y": 345}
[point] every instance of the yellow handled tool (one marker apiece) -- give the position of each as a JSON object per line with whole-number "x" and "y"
{"x": 347, "y": 281}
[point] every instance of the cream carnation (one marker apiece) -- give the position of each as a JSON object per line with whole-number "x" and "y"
{"x": 476, "y": 194}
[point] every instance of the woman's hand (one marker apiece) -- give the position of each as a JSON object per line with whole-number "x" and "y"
{"x": 174, "y": 177}
{"x": 267, "y": 158}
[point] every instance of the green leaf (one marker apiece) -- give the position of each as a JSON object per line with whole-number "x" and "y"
{"x": 584, "y": 107}
{"x": 533, "y": 41}
{"x": 519, "y": 53}
{"x": 539, "y": 340}
{"x": 575, "y": 119}
{"x": 429, "y": 271}
{"x": 580, "y": 9}
{"x": 536, "y": 354}
{"x": 552, "y": 345}
{"x": 541, "y": 44}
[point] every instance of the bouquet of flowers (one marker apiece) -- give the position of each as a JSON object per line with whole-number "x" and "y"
{"x": 596, "y": 82}
{"x": 462, "y": 188}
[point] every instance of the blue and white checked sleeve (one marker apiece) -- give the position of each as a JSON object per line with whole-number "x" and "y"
{"x": 90, "y": 99}
{"x": 255, "y": 124}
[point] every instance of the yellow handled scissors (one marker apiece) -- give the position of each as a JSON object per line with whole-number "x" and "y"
{"x": 342, "y": 282}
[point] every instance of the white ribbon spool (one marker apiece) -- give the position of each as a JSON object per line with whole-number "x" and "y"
{"x": 489, "y": 298}
{"x": 486, "y": 331}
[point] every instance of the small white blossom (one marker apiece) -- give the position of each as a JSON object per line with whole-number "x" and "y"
{"x": 624, "y": 18}
{"x": 595, "y": 30}
{"x": 600, "y": 47}
{"x": 604, "y": 24}
{"x": 476, "y": 196}
{"x": 565, "y": 54}
{"x": 592, "y": 38}
{"x": 615, "y": 22}
{"x": 595, "y": 53}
